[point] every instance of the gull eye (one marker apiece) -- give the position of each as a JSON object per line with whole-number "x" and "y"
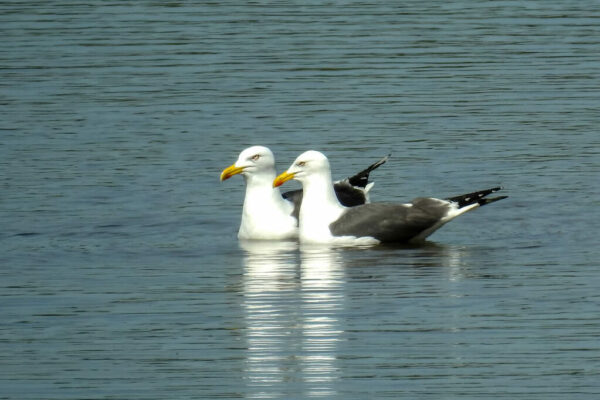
{"x": 255, "y": 157}
{"x": 301, "y": 163}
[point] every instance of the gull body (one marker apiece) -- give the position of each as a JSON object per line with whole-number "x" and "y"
{"x": 323, "y": 219}
{"x": 265, "y": 214}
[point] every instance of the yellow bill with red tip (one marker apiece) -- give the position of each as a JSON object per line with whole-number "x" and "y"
{"x": 283, "y": 178}
{"x": 231, "y": 171}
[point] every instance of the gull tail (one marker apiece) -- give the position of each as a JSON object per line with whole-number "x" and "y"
{"x": 479, "y": 198}
{"x": 362, "y": 178}
{"x": 460, "y": 205}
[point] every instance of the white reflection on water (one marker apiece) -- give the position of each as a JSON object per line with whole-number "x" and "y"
{"x": 270, "y": 283}
{"x": 291, "y": 302}
{"x": 453, "y": 259}
{"x": 322, "y": 299}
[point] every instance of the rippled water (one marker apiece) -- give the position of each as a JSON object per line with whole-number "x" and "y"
{"x": 120, "y": 272}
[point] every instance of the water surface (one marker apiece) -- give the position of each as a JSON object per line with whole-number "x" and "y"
{"x": 120, "y": 272}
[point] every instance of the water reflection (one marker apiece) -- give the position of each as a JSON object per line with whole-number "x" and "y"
{"x": 296, "y": 300}
{"x": 322, "y": 300}
{"x": 270, "y": 286}
{"x": 292, "y": 302}
{"x": 427, "y": 257}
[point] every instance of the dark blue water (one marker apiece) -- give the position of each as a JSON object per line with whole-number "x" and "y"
{"x": 120, "y": 272}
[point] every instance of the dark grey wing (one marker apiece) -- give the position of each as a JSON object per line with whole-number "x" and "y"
{"x": 349, "y": 195}
{"x": 362, "y": 178}
{"x": 350, "y": 191}
{"x": 295, "y": 196}
{"x": 390, "y": 222}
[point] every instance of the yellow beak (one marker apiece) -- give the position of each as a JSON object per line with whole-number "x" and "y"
{"x": 231, "y": 171}
{"x": 283, "y": 178}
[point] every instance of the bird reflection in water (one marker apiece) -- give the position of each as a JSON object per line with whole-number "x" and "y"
{"x": 293, "y": 297}
{"x": 322, "y": 301}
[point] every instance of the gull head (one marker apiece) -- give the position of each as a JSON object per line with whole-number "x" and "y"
{"x": 252, "y": 161}
{"x": 307, "y": 164}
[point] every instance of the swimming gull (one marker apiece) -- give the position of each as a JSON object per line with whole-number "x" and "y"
{"x": 324, "y": 220}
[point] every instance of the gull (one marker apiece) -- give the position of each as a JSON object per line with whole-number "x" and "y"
{"x": 323, "y": 219}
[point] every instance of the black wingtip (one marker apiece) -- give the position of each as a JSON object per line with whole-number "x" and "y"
{"x": 477, "y": 197}
{"x": 362, "y": 178}
{"x": 489, "y": 200}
